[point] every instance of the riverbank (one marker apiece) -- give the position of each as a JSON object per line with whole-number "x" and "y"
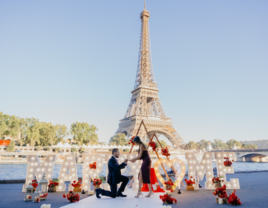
{"x": 253, "y": 193}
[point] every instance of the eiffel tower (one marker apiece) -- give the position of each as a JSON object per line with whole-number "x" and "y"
{"x": 145, "y": 103}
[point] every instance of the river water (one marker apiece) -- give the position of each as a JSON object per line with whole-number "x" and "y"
{"x": 18, "y": 171}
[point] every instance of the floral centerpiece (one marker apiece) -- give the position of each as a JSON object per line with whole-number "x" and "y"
{"x": 190, "y": 184}
{"x": 169, "y": 185}
{"x": 97, "y": 183}
{"x": 52, "y": 185}
{"x": 34, "y": 184}
{"x": 227, "y": 162}
{"x": 221, "y": 193}
{"x": 72, "y": 197}
{"x": 43, "y": 195}
{"x": 165, "y": 152}
{"x": 217, "y": 181}
{"x": 153, "y": 145}
{"x": 93, "y": 165}
{"x": 233, "y": 199}
{"x": 77, "y": 186}
{"x": 131, "y": 141}
{"x": 166, "y": 199}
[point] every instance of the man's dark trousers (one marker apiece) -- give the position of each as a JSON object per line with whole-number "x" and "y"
{"x": 113, "y": 186}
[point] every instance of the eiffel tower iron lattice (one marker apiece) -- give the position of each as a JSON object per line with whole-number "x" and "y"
{"x": 145, "y": 103}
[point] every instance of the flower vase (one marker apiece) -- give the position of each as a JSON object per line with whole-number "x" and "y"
{"x": 168, "y": 187}
{"x": 77, "y": 189}
{"x": 220, "y": 200}
{"x": 52, "y": 189}
{"x": 190, "y": 187}
{"x": 217, "y": 199}
{"x": 33, "y": 190}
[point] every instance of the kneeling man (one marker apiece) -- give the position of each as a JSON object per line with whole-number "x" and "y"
{"x": 114, "y": 177}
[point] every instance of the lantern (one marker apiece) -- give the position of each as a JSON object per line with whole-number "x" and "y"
{"x": 37, "y": 195}
{"x": 28, "y": 192}
{"x": 43, "y": 183}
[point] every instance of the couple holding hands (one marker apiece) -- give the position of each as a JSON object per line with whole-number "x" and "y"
{"x": 115, "y": 177}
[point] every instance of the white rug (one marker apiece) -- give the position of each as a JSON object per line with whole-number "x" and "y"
{"x": 127, "y": 202}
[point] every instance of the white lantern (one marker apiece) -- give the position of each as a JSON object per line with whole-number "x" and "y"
{"x": 28, "y": 192}
{"x": 37, "y": 195}
{"x": 43, "y": 183}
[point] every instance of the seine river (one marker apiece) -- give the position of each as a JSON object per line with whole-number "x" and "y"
{"x": 18, "y": 171}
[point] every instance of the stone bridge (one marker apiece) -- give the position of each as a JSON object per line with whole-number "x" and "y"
{"x": 248, "y": 155}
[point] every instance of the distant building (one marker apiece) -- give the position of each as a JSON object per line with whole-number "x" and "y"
{"x": 262, "y": 144}
{"x": 209, "y": 147}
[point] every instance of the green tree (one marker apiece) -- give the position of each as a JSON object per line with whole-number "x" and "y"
{"x": 118, "y": 139}
{"x": 73, "y": 149}
{"x": 3, "y": 125}
{"x": 83, "y": 133}
{"x": 163, "y": 143}
{"x": 11, "y": 146}
{"x": 219, "y": 145}
{"x": 249, "y": 146}
{"x": 47, "y": 134}
{"x": 32, "y": 133}
{"x": 61, "y": 132}
{"x": 190, "y": 145}
{"x": 233, "y": 142}
{"x": 202, "y": 144}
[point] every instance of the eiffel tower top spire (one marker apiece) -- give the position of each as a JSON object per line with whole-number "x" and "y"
{"x": 145, "y": 75}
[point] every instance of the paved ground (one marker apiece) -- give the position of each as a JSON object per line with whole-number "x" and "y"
{"x": 253, "y": 193}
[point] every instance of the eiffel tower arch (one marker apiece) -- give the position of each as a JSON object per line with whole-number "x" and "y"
{"x": 145, "y": 103}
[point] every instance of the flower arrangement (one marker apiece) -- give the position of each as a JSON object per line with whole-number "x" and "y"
{"x": 44, "y": 195}
{"x": 72, "y": 197}
{"x": 217, "y": 179}
{"x": 169, "y": 184}
{"x": 97, "y": 183}
{"x": 153, "y": 145}
{"x": 76, "y": 184}
{"x": 52, "y": 184}
{"x": 221, "y": 192}
{"x": 166, "y": 199}
{"x": 34, "y": 183}
{"x": 190, "y": 182}
{"x": 233, "y": 199}
{"x": 227, "y": 162}
{"x": 93, "y": 165}
{"x": 165, "y": 152}
{"x": 131, "y": 141}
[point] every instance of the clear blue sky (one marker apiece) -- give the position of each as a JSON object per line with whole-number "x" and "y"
{"x": 65, "y": 61}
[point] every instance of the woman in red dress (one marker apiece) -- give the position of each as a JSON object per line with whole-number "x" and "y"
{"x": 144, "y": 174}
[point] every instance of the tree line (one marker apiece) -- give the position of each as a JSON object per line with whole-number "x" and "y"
{"x": 31, "y": 131}
{"x": 217, "y": 144}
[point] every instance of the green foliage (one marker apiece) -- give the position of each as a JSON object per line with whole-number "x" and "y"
{"x": 103, "y": 179}
{"x": 202, "y": 144}
{"x": 126, "y": 150}
{"x": 219, "y": 145}
{"x": 163, "y": 143}
{"x": 47, "y": 148}
{"x": 233, "y": 142}
{"x": 249, "y": 146}
{"x": 57, "y": 149}
{"x": 73, "y": 149}
{"x": 83, "y": 133}
{"x": 11, "y": 147}
{"x": 191, "y": 145}
{"x": 82, "y": 150}
{"x": 118, "y": 139}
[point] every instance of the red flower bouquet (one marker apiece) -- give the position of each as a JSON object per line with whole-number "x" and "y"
{"x": 165, "y": 152}
{"x": 34, "y": 184}
{"x": 72, "y": 197}
{"x": 97, "y": 183}
{"x": 52, "y": 184}
{"x": 153, "y": 145}
{"x": 233, "y": 199}
{"x": 166, "y": 199}
{"x": 221, "y": 192}
{"x": 227, "y": 162}
{"x": 76, "y": 184}
{"x": 169, "y": 184}
{"x": 93, "y": 165}
{"x": 131, "y": 141}
{"x": 190, "y": 182}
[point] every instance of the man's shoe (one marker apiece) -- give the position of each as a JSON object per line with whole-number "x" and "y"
{"x": 98, "y": 192}
{"x": 119, "y": 194}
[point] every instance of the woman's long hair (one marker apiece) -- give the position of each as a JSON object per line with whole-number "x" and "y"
{"x": 137, "y": 140}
